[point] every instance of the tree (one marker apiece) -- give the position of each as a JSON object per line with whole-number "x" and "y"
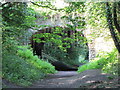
{"x": 16, "y": 19}
{"x": 116, "y": 6}
{"x": 74, "y": 44}
{"x": 110, "y": 19}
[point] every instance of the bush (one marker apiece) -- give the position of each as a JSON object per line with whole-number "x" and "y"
{"x": 17, "y": 70}
{"x": 23, "y": 68}
{"x": 112, "y": 65}
{"x": 71, "y": 58}
{"x": 96, "y": 64}
{"x": 107, "y": 62}
{"x": 27, "y": 54}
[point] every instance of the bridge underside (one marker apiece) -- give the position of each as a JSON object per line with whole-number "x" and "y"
{"x": 45, "y": 51}
{"x": 60, "y": 66}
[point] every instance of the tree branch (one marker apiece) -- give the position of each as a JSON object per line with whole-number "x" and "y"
{"x": 47, "y": 7}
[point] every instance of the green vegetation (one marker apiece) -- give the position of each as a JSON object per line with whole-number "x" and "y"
{"x": 17, "y": 70}
{"x": 19, "y": 65}
{"x": 22, "y": 67}
{"x": 58, "y": 47}
{"x": 99, "y": 22}
{"x": 107, "y": 62}
{"x": 43, "y": 66}
{"x": 71, "y": 58}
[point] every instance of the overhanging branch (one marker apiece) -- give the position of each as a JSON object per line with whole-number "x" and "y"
{"x": 47, "y": 7}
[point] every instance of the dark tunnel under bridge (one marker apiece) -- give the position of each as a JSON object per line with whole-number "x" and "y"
{"x": 39, "y": 47}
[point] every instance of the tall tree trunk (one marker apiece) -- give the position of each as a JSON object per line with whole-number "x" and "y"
{"x": 112, "y": 30}
{"x": 115, "y": 17}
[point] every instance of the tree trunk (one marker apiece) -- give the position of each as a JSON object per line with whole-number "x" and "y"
{"x": 115, "y": 17}
{"x": 112, "y": 30}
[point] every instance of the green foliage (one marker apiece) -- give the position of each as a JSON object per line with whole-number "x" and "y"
{"x": 107, "y": 62}
{"x": 23, "y": 68}
{"x": 71, "y": 58}
{"x": 17, "y": 70}
{"x": 63, "y": 42}
{"x": 83, "y": 61}
{"x": 82, "y": 68}
{"x": 113, "y": 63}
{"x": 110, "y": 77}
{"x": 43, "y": 66}
{"x": 74, "y": 15}
{"x": 56, "y": 45}
{"x": 16, "y": 18}
{"x": 95, "y": 18}
{"x": 90, "y": 65}
{"x": 96, "y": 15}
{"x": 19, "y": 65}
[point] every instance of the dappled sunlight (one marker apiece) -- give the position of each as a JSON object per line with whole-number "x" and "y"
{"x": 72, "y": 81}
{"x": 84, "y": 76}
{"x": 78, "y": 78}
{"x": 61, "y": 78}
{"x": 90, "y": 81}
{"x": 61, "y": 83}
{"x": 60, "y": 3}
{"x": 60, "y": 44}
{"x": 103, "y": 73}
{"x": 102, "y": 45}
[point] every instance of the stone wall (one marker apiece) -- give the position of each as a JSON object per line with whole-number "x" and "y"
{"x": 97, "y": 44}
{"x": 51, "y": 21}
{"x": 91, "y": 43}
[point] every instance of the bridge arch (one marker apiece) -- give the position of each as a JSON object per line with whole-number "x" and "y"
{"x": 38, "y": 48}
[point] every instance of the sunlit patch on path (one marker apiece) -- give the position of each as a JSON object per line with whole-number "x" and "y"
{"x": 71, "y": 79}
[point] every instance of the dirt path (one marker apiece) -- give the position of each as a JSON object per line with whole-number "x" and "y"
{"x": 71, "y": 79}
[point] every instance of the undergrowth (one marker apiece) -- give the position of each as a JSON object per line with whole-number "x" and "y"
{"x": 108, "y": 62}
{"x": 23, "y": 67}
{"x": 27, "y": 54}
